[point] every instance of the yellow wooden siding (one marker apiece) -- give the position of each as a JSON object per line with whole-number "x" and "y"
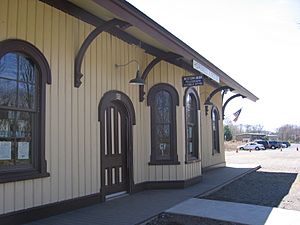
{"x": 72, "y": 127}
{"x": 208, "y": 159}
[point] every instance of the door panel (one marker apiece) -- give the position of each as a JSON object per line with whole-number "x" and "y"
{"x": 114, "y": 154}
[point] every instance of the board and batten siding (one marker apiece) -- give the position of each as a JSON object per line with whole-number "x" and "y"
{"x": 72, "y": 127}
{"x": 208, "y": 159}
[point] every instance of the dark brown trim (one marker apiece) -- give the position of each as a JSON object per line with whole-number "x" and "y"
{"x": 212, "y": 94}
{"x": 216, "y": 135}
{"x": 192, "y": 91}
{"x": 193, "y": 160}
{"x": 17, "y": 45}
{"x": 86, "y": 43}
{"x": 175, "y": 184}
{"x": 144, "y": 76}
{"x": 227, "y": 101}
{"x": 173, "y": 130}
{"x": 39, "y": 162}
{"x": 36, "y": 213}
{"x": 123, "y": 101}
{"x": 115, "y": 95}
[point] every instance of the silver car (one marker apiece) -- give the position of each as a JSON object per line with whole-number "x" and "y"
{"x": 251, "y": 146}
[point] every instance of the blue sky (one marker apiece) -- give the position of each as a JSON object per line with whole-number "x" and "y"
{"x": 256, "y": 42}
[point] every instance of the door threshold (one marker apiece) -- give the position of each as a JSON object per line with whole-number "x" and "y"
{"x": 116, "y": 195}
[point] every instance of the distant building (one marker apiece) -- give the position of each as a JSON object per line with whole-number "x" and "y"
{"x": 246, "y": 137}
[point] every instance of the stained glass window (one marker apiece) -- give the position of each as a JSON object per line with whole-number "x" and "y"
{"x": 163, "y": 124}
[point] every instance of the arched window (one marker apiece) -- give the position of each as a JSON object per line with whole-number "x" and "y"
{"x": 163, "y": 99}
{"x": 24, "y": 72}
{"x": 215, "y": 130}
{"x": 192, "y": 105}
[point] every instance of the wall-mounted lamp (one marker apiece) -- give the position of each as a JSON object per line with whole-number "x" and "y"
{"x": 137, "y": 80}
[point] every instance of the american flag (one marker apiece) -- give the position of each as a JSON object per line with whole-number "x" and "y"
{"x": 237, "y": 114}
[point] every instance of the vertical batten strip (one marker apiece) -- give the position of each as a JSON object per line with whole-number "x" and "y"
{"x": 68, "y": 112}
{"x": 61, "y": 108}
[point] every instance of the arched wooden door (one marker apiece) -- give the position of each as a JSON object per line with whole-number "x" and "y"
{"x": 116, "y": 115}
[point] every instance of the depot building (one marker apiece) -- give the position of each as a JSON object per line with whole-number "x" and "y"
{"x": 96, "y": 100}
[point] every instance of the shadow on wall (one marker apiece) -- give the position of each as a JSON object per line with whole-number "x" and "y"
{"x": 258, "y": 188}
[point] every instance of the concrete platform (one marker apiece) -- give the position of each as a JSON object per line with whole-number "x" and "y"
{"x": 236, "y": 212}
{"x": 136, "y": 208}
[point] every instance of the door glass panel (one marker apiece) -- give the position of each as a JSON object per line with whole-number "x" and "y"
{"x": 106, "y": 177}
{"x": 112, "y": 118}
{"x": 120, "y": 174}
{"x": 105, "y": 134}
{"x": 119, "y": 134}
{"x": 113, "y": 175}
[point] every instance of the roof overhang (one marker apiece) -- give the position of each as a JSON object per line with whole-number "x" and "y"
{"x": 151, "y": 33}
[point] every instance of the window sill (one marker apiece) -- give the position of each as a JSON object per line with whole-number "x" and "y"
{"x": 19, "y": 176}
{"x": 189, "y": 161}
{"x": 164, "y": 163}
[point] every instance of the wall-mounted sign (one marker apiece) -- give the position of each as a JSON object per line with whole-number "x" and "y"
{"x": 198, "y": 66}
{"x": 5, "y": 150}
{"x": 189, "y": 81}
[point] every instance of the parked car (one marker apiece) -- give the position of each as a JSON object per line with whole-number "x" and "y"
{"x": 288, "y": 144}
{"x": 274, "y": 144}
{"x": 264, "y": 143}
{"x": 251, "y": 146}
{"x": 282, "y": 144}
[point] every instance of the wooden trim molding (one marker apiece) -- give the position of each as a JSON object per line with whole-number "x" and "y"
{"x": 40, "y": 212}
{"x": 173, "y": 184}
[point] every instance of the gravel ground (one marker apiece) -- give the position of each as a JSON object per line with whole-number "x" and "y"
{"x": 278, "y": 178}
{"x": 276, "y": 184}
{"x": 258, "y": 188}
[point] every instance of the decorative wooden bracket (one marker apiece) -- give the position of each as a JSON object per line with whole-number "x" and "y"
{"x": 212, "y": 94}
{"x": 98, "y": 30}
{"x": 154, "y": 62}
{"x": 228, "y": 100}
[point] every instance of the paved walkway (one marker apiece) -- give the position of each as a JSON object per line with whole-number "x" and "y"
{"x": 236, "y": 212}
{"x": 135, "y": 208}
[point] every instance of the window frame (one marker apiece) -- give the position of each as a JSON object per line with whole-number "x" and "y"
{"x": 39, "y": 164}
{"x": 173, "y": 132}
{"x": 189, "y": 158}
{"x": 216, "y": 134}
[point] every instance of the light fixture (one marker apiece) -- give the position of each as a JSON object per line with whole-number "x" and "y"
{"x": 137, "y": 80}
